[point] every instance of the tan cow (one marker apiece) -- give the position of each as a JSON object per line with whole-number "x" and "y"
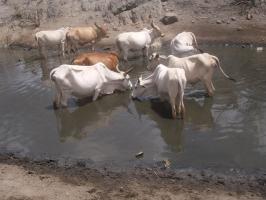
{"x": 81, "y": 36}
{"x": 110, "y": 59}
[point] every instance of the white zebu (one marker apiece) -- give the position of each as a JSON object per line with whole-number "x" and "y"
{"x": 183, "y": 44}
{"x": 141, "y": 40}
{"x": 197, "y": 68}
{"x": 85, "y": 81}
{"x": 166, "y": 83}
{"x": 51, "y": 38}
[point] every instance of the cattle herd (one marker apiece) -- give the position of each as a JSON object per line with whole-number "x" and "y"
{"x": 97, "y": 73}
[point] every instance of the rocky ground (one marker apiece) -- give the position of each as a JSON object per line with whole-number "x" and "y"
{"x": 223, "y": 21}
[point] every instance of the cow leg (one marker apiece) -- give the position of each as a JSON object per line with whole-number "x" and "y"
{"x": 173, "y": 106}
{"x": 125, "y": 54}
{"x": 182, "y": 106}
{"x": 57, "y": 100}
{"x": 58, "y": 96}
{"x": 208, "y": 86}
{"x": 146, "y": 51}
{"x": 63, "y": 48}
{"x": 213, "y": 88}
{"x": 96, "y": 94}
{"x": 172, "y": 98}
{"x": 42, "y": 52}
{"x": 64, "y": 97}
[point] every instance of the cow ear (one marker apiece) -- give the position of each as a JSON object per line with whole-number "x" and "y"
{"x": 157, "y": 56}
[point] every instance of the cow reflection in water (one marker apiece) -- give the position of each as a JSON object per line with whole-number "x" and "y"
{"x": 172, "y": 131}
{"x": 88, "y": 117}
{"x": 199, "y": 110}
{"x": 160, "y": 113}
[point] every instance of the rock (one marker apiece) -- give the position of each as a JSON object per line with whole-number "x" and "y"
{"x": 259, "y": 49}
{"x": 92, "y": 190}
{"x": 239, "y": 29}
{"x": 169, "y": 18}
{"x": 121, "y": 189}
{"x": 249, "y": 16}
{"x": 167, "y": 163}
{"x": 218, "y": 22}
{"x": 233, "y": 18}
{"x": 139, "y": 154}
{"x": 164, "y": 0}
{"x": 115, "y": 29}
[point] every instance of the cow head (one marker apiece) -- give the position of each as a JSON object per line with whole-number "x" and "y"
{"x": 143, "y": 89}
{"x": 156, "y": 30}
{"x": 126, "y": 82}
{"x": 154, "y": 60}
{"x": 101, "y": 30}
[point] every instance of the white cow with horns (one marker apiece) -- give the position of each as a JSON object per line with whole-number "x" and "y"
{"x": 184, "y": 44}
{"x": 86, "y": 81}
{"x": 197, "y": 68}
{"x": 166, "y": 83}
{"x": 141, "y": 40}
{"x": 51, "y": 38}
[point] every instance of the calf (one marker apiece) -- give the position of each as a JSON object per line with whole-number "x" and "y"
{"x": 51, "y": 38}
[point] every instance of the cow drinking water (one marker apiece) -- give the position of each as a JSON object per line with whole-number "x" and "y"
{"x": 86, "y": 81}
{"x": 165, "y": 83}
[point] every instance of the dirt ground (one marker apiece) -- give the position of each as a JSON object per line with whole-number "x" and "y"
{"x": 23, "y": 179}
{"x": 27, "y": 180}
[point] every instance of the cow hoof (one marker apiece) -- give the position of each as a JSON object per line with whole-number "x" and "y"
{"x": 55, "y": 106}
{"x": 208, "y": 95}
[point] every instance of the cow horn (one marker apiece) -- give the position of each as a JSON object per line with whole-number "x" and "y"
{"x": 96, "y": 25}
{"x": 154, "y": 26}
{"x": 129, "y": 70}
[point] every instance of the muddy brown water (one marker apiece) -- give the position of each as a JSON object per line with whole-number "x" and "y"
{"x": 226, "y": 131}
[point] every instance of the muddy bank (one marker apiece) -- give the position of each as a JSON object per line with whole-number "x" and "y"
{"x": 214, "y": 21}
{"x": 26, "y": 179}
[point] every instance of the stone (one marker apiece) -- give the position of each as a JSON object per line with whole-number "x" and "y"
{"x": 218, "y": 22}
{"x": 259, "y": 49}
{"x": 169, "y": 18}
{"x": 233, "y": 18}
{"x": 249, "y": 16}
{"x": 139, "y": 154}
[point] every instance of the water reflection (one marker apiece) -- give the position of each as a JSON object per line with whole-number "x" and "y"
{"x": 198, "y": 110}
{"x": 171, "y": 130}
{"x": 87, "y": 116}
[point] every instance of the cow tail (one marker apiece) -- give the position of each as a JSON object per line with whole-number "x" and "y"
{"x": 197, "y": 46}
{"x": 219, "y": 66}
{"x": 52, "y": 75}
